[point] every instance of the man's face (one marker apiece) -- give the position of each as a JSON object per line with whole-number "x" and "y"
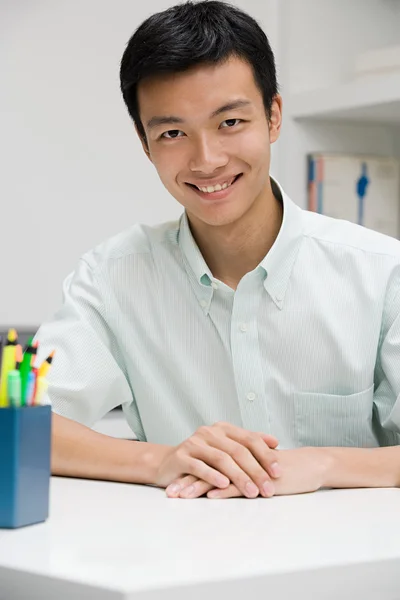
{"x": 191, "y": 145}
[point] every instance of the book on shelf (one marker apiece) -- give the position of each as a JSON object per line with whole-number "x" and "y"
{"x": 363, "y": 189}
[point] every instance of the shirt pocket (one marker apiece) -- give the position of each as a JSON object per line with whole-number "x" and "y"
{"x": 332, "y": 420}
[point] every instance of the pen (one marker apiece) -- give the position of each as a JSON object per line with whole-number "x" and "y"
{"x": 7, "y": 365}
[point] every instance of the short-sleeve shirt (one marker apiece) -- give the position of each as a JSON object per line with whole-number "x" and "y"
{"x": 307, "y": 347}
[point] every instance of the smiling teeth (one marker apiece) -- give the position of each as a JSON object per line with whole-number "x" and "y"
{"x": 214, "y": 188}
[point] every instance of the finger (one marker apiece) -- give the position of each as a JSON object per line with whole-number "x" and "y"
{"x": 267, "y": 458}
{"x": 201, "y": 467}
{"x": 270, "y": 440}
{"x": 233, "y": 430}
{"x": 197, "y": 489}
{"x": 238, "y": 464}
{"x": 188, "y": 486}
{"x": 236, "y": 461}
{"x": 175, "y": 487}
{"x": 230, "y": 492}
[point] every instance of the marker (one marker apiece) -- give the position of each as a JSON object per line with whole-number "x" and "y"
{"x": 7, "y": 365}
{"x": 34, "y": 370}
{"x": 44, "y": 368}
{"x": 26, "y": 367}
{"x": 18, "y": 357}
{"x": 1, "y": 349}
{"x": 14, "y": 381}
{"x": 14, "y": 388}
{"x": 30, "y": 389}
{"x": 42, "y": 387}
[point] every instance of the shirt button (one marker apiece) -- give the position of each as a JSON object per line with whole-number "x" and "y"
{"x": 203, "y": 303}
{"x": 214, "y": 285}
{"x": 251, "y": 396}
{"x": 243, "y": 327}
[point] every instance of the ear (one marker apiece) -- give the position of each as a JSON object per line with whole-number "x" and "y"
{"x": 143, "y": 141}
{"x": 275, "y": 120}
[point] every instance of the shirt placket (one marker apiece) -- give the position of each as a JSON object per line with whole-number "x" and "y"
{"x": 248, "y": 366}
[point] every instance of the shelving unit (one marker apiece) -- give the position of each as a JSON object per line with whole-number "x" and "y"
{"x": 375, "y": 100}
{"x": 325, "y": 106}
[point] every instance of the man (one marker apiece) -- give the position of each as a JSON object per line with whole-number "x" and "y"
{"x": 247, "y": 324}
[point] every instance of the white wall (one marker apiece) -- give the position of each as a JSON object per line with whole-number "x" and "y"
{"x": 73, "y": 172}
{"x": 322, "y": 38}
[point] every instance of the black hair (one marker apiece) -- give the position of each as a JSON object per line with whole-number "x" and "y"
{"x": 190, "y": 34}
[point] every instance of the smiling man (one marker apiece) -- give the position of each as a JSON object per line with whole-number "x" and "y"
{"x": 254, "y": 346}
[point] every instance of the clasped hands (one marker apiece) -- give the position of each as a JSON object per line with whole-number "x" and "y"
{"x": 226, "y": 461}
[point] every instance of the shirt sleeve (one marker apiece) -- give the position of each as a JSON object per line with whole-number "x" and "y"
{"x": 87, "y": 378}
{"x": 387, "y": 375}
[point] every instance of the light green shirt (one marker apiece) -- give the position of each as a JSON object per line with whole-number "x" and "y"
{"x": 307, "y": 348}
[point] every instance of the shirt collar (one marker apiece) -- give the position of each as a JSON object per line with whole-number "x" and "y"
{"x": 276, "y": 266}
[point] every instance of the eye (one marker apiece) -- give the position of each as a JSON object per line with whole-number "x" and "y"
{"x": 231, "y": 122}
{"x": 169, "y": 136}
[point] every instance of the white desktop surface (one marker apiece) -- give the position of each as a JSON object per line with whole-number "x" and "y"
{"x": 110, "y": 540}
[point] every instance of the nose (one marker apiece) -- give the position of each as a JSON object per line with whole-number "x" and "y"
{"x": 208, "y": 155}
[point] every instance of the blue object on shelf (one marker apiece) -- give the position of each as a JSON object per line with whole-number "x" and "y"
{"x": 25, "y": 444}
{"x": 362, "y": 186}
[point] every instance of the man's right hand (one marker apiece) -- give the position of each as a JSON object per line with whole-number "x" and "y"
{"x": 221, "y": 454}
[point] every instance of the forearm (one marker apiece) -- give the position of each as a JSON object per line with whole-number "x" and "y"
{"x": 362, "y": 467}
{"x": 78, "y": 451}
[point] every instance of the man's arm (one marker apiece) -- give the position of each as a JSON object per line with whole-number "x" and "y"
{"x": 309, "y": 469}
{"x": 78, "y": 451}
{"x": 362, "y": 467}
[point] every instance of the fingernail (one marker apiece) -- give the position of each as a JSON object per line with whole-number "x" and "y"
{"x": 173, "y": 489}
{"x": 252, "y": 489}
{"x": 222, "y": 481}
{"x": 276, "y": 470}
{"x": 268, "y": 489}
{"x": 187, "y": 492}
{"x": 213, "y": 494}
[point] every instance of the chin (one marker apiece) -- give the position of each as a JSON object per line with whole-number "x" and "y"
{"x": 220, "y": 218}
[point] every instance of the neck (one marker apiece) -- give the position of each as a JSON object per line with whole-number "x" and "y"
{"x": 235, "y": 249}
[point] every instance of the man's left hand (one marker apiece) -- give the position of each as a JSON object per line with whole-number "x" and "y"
{"x": 302, "y": 470}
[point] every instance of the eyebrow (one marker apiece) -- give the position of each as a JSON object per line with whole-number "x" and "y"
{"x": 170, "y": 120}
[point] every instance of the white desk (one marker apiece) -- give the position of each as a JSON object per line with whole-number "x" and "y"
{"x": 108, "y": 540}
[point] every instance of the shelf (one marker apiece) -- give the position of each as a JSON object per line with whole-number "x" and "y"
{"x": 376, "y": 99}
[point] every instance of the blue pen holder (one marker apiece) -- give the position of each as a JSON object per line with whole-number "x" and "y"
{"x": 25, "y": 444}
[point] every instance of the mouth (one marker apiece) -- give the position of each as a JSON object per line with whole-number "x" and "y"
{"x": 219, "y": 195}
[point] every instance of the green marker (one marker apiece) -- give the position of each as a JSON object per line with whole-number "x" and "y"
{"x": 25, "y": 367}
{"x": 14, "y": 388}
